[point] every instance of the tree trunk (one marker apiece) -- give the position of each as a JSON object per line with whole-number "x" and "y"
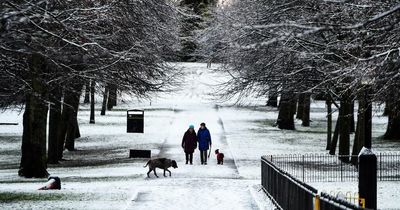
{"x": 329, "y": 126}
{"x": 272, "y": 100}
{"x": 344, "y": 131}
{"x": 33, "y": 149}
{"x": 335, "y": 138}
{"x": 300, "y": 106}
{"x": 87, "y": 93}
{"x": 368, "y": 119}
{"x": 62, "y": 127}
{"x": 293, "y": 105}
{"x": 363, "y": 135}
{"x": 92, "y": 89}
{"x": 77, "y": 130}
{"x": 393, "y": 127}
{"x": 360, "y": 132}
{"x": 115, "y": 94}
{"x": 54, "y": 122}
{"x": 112, "y": 97}
{"x": 306, "y": 110}
{"x": 358, "y": 138}
{"x": 286, "y": 115}
{"x": 386, "y": 109}
{"x": 352, "y": 121}
{"x": 105, "y": 99}
{"x": 68, "y": 129}
{"x": 73, "y": 127}
{"x": 72, "y": 133}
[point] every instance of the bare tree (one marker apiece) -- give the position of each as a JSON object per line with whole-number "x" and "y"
{"x": 53, "y": 47}
{"x": 310, "y": 47}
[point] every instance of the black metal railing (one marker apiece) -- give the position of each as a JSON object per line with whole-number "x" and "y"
{"x": 331, "y": 168}
{"x": 329, "y": 202}
{"x": 288, "y": 192}
{"x": 388, "y": 166}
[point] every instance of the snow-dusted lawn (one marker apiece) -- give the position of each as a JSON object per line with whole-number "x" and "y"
{"x": 101, "y": 176}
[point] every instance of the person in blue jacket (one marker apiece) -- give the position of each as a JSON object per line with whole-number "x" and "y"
{"x": 204, "y": 138}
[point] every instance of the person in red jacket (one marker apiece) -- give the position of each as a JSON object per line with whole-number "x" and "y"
{"x": 189, "y": 144}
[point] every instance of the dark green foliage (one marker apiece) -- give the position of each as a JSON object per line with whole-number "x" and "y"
{"x": 199, "y": 12}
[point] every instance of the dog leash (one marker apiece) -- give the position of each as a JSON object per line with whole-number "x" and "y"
{"x": 209, "y": 153}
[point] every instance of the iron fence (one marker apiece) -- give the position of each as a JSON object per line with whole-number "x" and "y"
{"x": 331, "y": 168}
{"x": 329, "y": 202}
{"x": 287, "y": 192}
{"x": 388, "y": 166}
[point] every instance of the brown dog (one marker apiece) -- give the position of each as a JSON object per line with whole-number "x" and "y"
{"x": 220, "y": 157}
{"x": 162, "y": 163}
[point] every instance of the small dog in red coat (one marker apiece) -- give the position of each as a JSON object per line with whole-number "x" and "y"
{"x": 220, "y": 157}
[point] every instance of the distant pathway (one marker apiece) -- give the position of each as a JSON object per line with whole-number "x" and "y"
{"x": 195, "y": 186}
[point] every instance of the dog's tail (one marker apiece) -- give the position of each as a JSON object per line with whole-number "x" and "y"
{"x": 148, "y": 162}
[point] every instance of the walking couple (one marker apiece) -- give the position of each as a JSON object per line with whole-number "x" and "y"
{"x": 189, "y": 143}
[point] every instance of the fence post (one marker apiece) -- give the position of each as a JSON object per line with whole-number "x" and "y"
{"x": 316, "y": 203}
{"x": 303, "y": 167}
{"x": 380, "y": 167}
{"x": 341, "y": 170}
{"x": 367, "y": 177}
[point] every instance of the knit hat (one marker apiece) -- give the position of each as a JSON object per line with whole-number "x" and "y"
{"x": 191, "y": 126}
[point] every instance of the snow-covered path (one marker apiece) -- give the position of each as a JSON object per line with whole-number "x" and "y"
{"x": 99, "y": 175}
{"x": 195, "y": 186}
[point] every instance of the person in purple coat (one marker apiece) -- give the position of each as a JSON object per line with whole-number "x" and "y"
{"x": 189, "y": 143}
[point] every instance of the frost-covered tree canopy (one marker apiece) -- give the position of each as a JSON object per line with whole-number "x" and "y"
{"x": 51, "y": 49}
{"x": 314, "y": 46}
{"x": 120, "y": 42}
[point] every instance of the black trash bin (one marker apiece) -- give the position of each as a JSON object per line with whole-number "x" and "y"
{"x": 135, "y": 121}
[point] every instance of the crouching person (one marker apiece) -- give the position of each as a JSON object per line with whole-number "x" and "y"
{"x": 53, "y": 183}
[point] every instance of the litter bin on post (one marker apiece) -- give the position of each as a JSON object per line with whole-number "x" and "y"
{"x": 135, "y": 121}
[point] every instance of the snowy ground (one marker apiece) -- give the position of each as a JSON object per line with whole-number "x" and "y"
{"x": 101, "y": 176}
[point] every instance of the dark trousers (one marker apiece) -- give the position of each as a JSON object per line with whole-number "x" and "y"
{"x": 203, "y": 156}
{"x": 189, "y": 156}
